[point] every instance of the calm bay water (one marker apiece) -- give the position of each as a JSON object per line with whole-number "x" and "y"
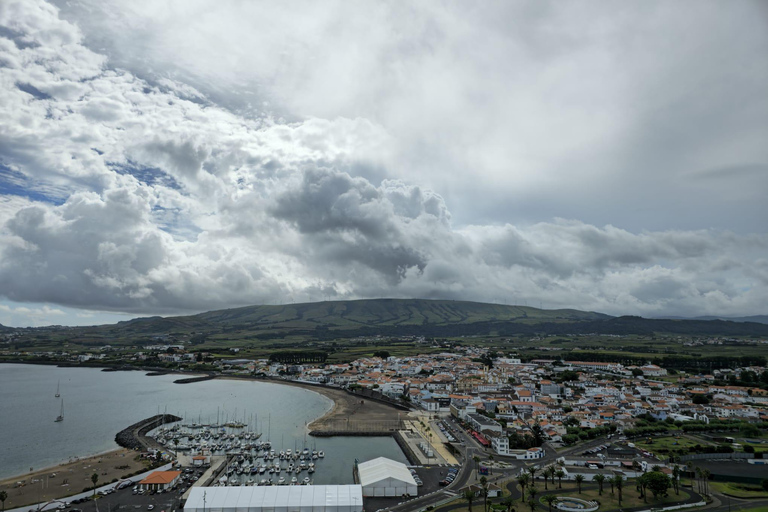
{"x": 99, "y": 404}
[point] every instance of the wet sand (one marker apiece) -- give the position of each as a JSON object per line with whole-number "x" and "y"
{"x": 69, "y": 478}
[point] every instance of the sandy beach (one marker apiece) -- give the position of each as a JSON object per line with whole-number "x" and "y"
{"x": 69, "y": 478}
{"x": 347, "y": 409}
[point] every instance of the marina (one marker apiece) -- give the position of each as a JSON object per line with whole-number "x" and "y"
{"x": 101, "y": 404}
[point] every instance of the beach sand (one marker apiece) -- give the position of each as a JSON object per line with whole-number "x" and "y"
{"x": 347, "y": 409}
{"x": 69, "y": 478}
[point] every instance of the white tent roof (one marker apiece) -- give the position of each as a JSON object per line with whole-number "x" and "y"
{"x": 304, "y": 497}
{"x": 376, "y": 470}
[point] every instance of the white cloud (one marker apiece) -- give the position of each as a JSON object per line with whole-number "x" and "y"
{"x": 148, "y": 196}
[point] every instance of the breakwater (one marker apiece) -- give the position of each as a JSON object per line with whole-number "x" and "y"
{"x": 190, "y": 380}
{"x": 135, "y": 436}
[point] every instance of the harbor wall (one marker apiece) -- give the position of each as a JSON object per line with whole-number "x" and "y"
{"x": 135, "y": 436}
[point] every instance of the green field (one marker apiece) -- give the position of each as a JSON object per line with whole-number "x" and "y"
{"x": 350, "y": 329}
{"x": 738, "y": 490}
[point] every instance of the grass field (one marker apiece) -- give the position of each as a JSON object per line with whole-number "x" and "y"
{"x": 672, "y": 443}
{"x": 738, "y": 490}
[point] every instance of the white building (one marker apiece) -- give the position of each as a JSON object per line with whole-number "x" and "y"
{"x": 386, "y": 477}
{"x": 284, "y": 498}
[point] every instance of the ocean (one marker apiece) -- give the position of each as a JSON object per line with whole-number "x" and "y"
{"x": 97, "y": 405}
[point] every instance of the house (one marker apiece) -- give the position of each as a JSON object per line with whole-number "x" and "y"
{"x": 160, "y": 480}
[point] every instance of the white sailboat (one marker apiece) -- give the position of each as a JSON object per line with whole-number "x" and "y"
{"x": 57, "y": 395}
{"x": 60, "y": 417}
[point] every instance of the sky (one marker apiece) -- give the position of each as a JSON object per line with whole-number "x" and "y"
{"x": 163, "y": 157}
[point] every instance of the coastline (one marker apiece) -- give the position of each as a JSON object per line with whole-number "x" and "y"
{"x": 363, "y": 413}
{"x": 346, "y": 408}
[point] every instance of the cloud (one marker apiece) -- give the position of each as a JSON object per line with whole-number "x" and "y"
{"x": 125, "y": 191}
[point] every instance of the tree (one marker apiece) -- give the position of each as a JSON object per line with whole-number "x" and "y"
{"x": 4, "y": 496}
{"x": 579, "y": 479}
{"x": 764, "y": 484}
{"x": 600, "y": 478}
{"x": 700, "y": 399}
{"x": 532, "y": 492}
{"x": 676, "y": 478}
{"x": 657, "y": 482}
{"x": 610, "y": 481}
{"x": 706, "y": 474}
{"x": 699, "y": 487}
{"x": 469, "y": 495}
{"x": 532, "y": 470}
{"x": 522, "y": 480}
{"x": 560, "y": 475}
{"x": 508, "y": 502}
{"x": 94, "y": 479}
{"x": 550, "y": 499}
{"x": 484, "y": 484}
{"x": 532, "y": 504}
{"x": 637, "y": 372}
{"x": 618, "y": 481}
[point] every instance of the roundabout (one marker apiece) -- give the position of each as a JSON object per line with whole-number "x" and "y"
{"x": 570, "y": 504}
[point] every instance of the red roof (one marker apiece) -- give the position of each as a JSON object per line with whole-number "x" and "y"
{"x": 161, "y": 477}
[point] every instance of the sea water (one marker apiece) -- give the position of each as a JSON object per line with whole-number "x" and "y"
{"x": 97, "y": 405}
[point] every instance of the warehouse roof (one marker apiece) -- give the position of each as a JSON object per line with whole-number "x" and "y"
{"x": 295, "y": 497}
{"x": 376, "y": 470}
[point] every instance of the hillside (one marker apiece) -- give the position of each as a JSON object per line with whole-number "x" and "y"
{"x": 274, "y": 327}
{"x": 347, "y": 316}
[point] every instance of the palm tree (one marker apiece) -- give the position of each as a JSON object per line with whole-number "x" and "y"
{"x": 618, "y": 481}
{"x": 508, "y": 502}
{"x": 560, "y": 475}
{"x": 676, "y": 478}
{"x": 579, "y": 479}
{"x": 94, "y": 479}
{"x": 532, "y": 504}
{"x": 469, "y": 495}
{"x": 484, "y": 492}
{"x": 523, "y": 481}
{"x": 550, "y": 499}
{"x": 697, "y": 470}
{"x": 600, "y": 478}
{"x": 705, "y": 475}
{"x": 532, "y": 470}
{"x": 3, "y": 497}
{"x": 532, "y": 492}
{"x": 610, "y": 481}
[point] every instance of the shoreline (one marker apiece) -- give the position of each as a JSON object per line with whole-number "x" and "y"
{"x": 345, "y": 408}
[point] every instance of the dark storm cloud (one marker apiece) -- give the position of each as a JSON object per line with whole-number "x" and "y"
{"x": 575, "y": 156}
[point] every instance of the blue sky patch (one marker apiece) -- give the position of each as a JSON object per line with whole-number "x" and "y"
{"x": 14, "y": 183}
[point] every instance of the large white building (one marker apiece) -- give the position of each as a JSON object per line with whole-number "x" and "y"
{"x": 386, "y": 477}
{"x": 283, "y": 498}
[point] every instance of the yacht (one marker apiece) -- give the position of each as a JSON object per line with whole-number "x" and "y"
{"x": 60, "y": 417}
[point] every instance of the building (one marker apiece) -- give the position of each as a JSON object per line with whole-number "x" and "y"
{"x": 500, "y": 444}
{"x": 481, "y": 423}
{"x": 385, "y": 477}
{"x": 160, "y": 480}
{"x": 529, "y": 454}
{"x": 284, "y": 498}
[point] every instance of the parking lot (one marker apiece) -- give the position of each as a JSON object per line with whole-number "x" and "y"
{"x": 131, "y": 498}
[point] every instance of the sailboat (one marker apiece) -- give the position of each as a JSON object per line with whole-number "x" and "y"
{"x": 60, "y": 417}
{"x": 57, "y": 389}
